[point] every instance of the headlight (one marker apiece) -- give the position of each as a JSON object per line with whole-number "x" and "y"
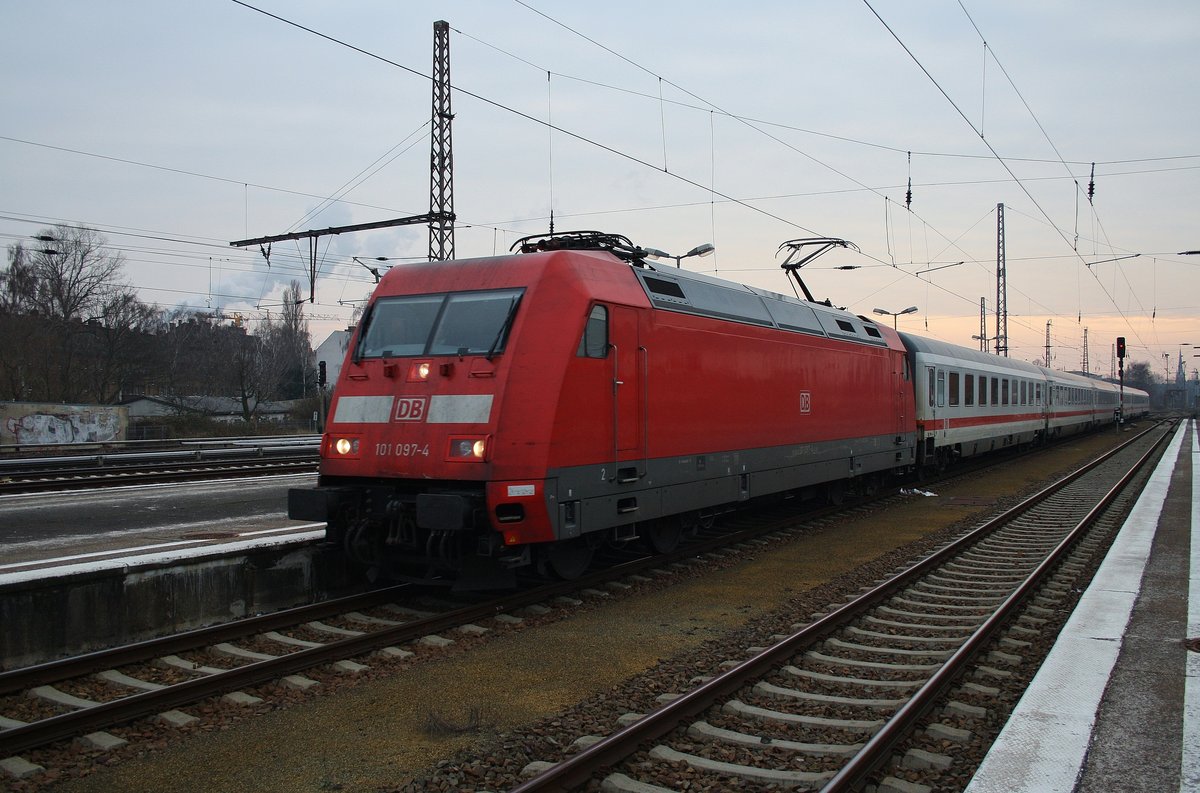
{"x": 468, "y": 449}
{"x": 344, "y": 446}
{"x": 419, "y": 371}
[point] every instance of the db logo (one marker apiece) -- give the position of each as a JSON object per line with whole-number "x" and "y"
{"x": 411, "y": 409}
{"x": 805, "y": 402}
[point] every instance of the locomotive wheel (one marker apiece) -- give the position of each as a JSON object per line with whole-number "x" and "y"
{"x": 569, "y": 559}
{"x": 359, "y": 545}
{"x": 662, "y": 536}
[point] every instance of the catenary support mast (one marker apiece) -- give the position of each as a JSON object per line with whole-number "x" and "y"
{"x": 441, "y": 173}
{"x": 1001, "y": 287}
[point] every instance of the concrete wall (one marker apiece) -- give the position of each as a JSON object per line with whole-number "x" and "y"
{"x": 69, "y": 615}
{"x": 35, "y": 424}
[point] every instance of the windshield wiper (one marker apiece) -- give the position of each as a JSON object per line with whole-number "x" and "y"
{"x": 512, "y": 312}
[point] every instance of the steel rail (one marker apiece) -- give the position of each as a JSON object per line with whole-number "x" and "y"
{"x": 26, "y": 677}
{"x": 135, "y": 706}
{"x": 878, "y": 749}
{"x": 574, "y": 772}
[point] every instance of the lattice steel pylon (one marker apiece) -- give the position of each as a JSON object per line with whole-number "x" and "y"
{"x": 983, "y": 338}
{"x": 441, "y": 172}
{"x": 1001, "y": 287}
{"x": 1087, "y": 367}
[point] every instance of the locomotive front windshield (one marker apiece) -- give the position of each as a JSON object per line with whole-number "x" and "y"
{"x": 454, "y": 323}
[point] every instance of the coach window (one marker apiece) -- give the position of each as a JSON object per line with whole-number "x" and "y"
{"x": 983, "y": 389}
{"x": 954, "y": 388}
{"x": 995, "y": 390}
{"x": 932, "y": 385}
{"x": 1024, "y": 393}
{"x": 1037, "y": 393}
{"x": 969, "y": 390}
{"x": 1004, "y": 391}
{"x": 594, "y": 343}
{"x": 941, "y": 387}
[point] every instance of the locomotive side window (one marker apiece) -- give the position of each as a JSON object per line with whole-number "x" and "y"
{"x": 458, "y": 323}
{"x": 594, "y": 343}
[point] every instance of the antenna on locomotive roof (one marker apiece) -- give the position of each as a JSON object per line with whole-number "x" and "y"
{"x": 797, "y": 258}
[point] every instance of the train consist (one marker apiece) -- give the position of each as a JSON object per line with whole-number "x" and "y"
{"x": 518, "y": 412}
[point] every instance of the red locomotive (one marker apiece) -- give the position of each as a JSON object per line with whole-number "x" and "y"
{"x": 519, "y": 411}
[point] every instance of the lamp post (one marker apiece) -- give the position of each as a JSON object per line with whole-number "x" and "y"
{"x": 983, "y": 342}
{"x": 700, "y": 250}
{"x": 894, "y": 314}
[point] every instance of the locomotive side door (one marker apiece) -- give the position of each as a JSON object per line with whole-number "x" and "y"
{"x": 628, "y": 363}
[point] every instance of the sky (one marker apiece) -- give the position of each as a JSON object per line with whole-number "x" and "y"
{"x": 176, "y": 128}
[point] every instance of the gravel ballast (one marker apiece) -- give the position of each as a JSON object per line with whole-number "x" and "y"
{"x": 488, "y": 704}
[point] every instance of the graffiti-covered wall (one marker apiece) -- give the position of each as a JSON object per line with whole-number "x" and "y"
{"x": 38, "y": 423}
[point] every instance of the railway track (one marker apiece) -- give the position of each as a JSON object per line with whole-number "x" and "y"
{"x": 200, "y": 460}
{"x": 50, "y": 702}
{"x": 186, "y": 669}
{"x": 827, "y": 706}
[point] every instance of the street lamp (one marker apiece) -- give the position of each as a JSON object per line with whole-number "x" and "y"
{"x": 894, "y": 314}
{"x": 700, "y": 250}
{"x": 983, "y": 342}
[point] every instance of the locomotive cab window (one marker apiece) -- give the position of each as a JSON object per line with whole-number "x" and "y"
{"x": 457, "y": 323}
{"x": 594, "y": 342}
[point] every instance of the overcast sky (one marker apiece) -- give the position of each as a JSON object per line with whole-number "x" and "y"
{"x": 175, "y": 128}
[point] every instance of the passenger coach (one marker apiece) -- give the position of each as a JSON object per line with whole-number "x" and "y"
{"x": 970, "y": 402}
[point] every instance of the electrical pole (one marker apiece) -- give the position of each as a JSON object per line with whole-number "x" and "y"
{"x": 1048, "y": 343}
{"x": 1001, "y": 287}
{"x": 441, "y": 173}
{"x": 983, "y": 340}
{"x": 1086, "y": 366}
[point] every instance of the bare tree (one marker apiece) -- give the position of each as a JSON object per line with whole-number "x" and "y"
{"x": 291, "y": 340}
{"x": 75, "y": 274}
{"x": 62, "y": 307}
{"x": 123, "y": 348}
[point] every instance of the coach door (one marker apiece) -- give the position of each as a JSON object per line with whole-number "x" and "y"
{"x": 629, "y": 362}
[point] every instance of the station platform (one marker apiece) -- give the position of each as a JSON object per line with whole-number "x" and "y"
{"x": 174, "y": 552}
{"x": 1116, "y": 705}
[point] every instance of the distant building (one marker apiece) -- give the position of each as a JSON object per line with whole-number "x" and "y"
{"x": 224, "y": 409}
{"x": 333, "y": 351}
